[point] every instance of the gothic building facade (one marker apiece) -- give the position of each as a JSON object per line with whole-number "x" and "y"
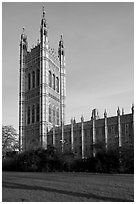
{"x": 42, "y": 106}
{"x": 42, "y": 89}
{"x": 85, "y": 138}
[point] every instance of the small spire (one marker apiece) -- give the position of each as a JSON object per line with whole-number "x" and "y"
{"x": 23, "y": 35}
{"x": 23, "y": 30}
{"x": 43, "y": 12}
{"x": 61, "y": 41}
{"x": 82, "y": 118}
{"x": 118, "y": 111}
{"x": 38, "y": 42}
{"x": 122, "y": 111}
{"x": 105, "y": 113}
{"x": 132, "y": 108}
{"x": 94, "y": 113}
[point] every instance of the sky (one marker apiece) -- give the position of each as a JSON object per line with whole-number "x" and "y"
{"x": 99, "y": 52}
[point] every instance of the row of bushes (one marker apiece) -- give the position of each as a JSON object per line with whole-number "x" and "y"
{"x": 50, "y": 160}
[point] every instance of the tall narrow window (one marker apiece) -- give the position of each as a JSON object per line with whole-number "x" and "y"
{"x": 50, "y": 79}
{"x": 37, "y": 113}
{"x": 57, "y": 116}
{"x": 54, "y": 81}
{"x": 57, "y": 84}
{"x": 28, "y": 115}
{"x": 29, "y": 81}
{"x": 33, "y": 114}
{"x": 54, "y": 119}
{"x": 38, "y": 77}
{"x": 33, "y": 76}
{"x": 50, "y": 118}
{"x": 126, "y": 129}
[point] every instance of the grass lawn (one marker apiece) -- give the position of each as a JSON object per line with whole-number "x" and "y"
{"x": 66, "y": 187}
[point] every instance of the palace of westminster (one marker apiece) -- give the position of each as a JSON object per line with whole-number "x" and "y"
{"x": 42, "y": 95}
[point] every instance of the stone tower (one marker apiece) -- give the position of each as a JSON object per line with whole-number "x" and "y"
{"x": 42, "y": 90}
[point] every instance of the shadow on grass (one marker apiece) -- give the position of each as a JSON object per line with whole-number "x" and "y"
{"x": 65, "y": 192}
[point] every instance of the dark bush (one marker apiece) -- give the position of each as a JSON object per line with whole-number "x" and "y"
{"x": 41, "y": 160}
{"x": 107, "y": 161}
{"x": 9, "y": 164}
{"x": 127, "y": 159}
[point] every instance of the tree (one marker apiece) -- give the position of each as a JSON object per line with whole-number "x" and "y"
{"x": 10, "y": 140}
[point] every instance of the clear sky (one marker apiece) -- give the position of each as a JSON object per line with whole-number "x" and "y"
{"x": 99, "y": 48}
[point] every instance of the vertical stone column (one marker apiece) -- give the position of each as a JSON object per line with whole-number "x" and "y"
{"x": 54, "y": 135}
{"x": 82, "y": 135}
{"x": 106, "y": 130}
{"x": 132, "y": 109}
{"x": 23, "y": 53}
{"x": 72, "y": 135}
{"x": 119, "y": 127}
{"x": 62, "y": 88}
{"x": 94, "y": 132}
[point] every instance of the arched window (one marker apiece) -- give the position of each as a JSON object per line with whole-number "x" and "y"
{"x": 28, "y": 115}
{"x": 54, "y": 81}
{"x": 33, "y": 114}
{"x": 33, "y": 76}
{"x": 29, "y": 81}
{"x": 57, "y": 116}
{"x": 38, "y": 77}
{"x": 54, "y": 115}
{"x": 57, "y": 84}
{"x": 50, "y": 116}
{"x": 37, "y": 113}
{"x": 50, "y": 79}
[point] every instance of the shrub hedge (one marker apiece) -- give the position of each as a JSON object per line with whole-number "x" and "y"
{"x": 40, "y": 160}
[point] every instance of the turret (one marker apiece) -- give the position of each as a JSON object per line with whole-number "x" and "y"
{"x": 95, "y": 115}
{"x": 23, "y": 44}
{"x": 43, "y": 30}
{"x": 43, "y": 81}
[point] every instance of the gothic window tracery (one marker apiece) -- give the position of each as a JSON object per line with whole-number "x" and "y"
{"x": 37, "y": 113}
{"x": 50, "y": 79}
{"x": 33, "y": 77}
{"x": 57, "y": 84}
{"x": 28, "y": 115}
{"x": 54, "y": 115}
{"x": 38, "y": 77}
{"x": 29, "y": 81}
{"x": 57, "y": 116}
{"x": 126, "y": 129}
{"x": 33, "y": 114}
{"x": 54, "y": 81}
{"x": 50, "y": 115}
